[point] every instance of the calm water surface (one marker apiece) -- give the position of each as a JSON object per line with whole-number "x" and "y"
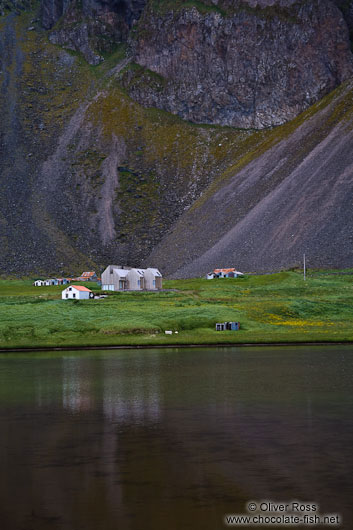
{"x": 172, "y": 439}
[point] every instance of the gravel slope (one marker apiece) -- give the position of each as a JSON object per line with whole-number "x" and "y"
{"x": 295, "y": 197}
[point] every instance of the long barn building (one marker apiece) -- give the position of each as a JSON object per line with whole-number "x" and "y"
{"x": 117, "y": 278}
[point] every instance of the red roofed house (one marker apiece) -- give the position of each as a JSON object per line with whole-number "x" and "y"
{"x": 76, "y": 292}
{"x": 88, "y": 277}
{"x": 224, "y": 273}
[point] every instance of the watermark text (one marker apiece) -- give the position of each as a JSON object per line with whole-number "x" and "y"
{"x": 292, "y": 513}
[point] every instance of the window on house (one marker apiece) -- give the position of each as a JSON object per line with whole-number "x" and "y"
{"x": 73, "y": 295}
{"x": 67, "y": 296}
{"x": 139, "y": 283}
{"x": 154, "y": 283}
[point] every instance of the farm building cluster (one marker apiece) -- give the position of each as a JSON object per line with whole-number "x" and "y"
{"x": 85, "y": 277}
{"x": 114, "y": 278}
{"x": 118, "y": 278}
{"x": 224, "y": 273}
{"x": 122, "y": 278}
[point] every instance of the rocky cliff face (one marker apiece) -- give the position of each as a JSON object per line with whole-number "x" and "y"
{"x": 92, "y": 27}
{"x": 15, "y": 6}
{"x": 244, "y": 64}
{"x": 346, "y": 7}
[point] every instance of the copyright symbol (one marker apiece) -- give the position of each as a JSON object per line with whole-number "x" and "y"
{"x": 252, "y": 507}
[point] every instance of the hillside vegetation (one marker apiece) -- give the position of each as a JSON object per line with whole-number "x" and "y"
{"x": 270, "y": 308}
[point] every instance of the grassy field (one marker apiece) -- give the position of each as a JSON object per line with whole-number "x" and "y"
{"x": 270, "y": 308}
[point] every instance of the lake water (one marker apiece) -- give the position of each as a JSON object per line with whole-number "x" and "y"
{"x": 173, "y": 439}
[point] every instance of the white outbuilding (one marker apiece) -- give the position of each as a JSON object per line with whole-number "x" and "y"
{"x": 76, "y": 292}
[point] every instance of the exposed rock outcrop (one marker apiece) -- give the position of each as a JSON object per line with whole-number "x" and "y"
{"x": 346, "y": 6}
{"x": 16, "y": 6}
{"x": 129, "y": 10}
{"x": 91, "y": 27}
{"x": 249, "y": 64}
{"x": 51, "y": 11}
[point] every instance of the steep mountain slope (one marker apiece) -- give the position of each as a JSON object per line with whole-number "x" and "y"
{"x": 39, "y": 90}
{"x": 291, "y": 194}
{"x": 90, "y": 176}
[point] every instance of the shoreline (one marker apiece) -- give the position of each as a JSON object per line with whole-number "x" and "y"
{"x": 169, "y": 346}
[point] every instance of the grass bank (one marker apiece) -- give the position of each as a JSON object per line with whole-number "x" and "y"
{"x": 270, "y": 308}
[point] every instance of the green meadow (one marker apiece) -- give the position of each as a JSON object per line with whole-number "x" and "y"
{"x": 279, "y": 307}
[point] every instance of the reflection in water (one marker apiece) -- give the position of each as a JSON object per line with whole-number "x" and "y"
{"x": 77, "y": 395}
{"x": 172, "y": 439}
{"x": 131, "y": 402}
{"x": 122, "y": 401}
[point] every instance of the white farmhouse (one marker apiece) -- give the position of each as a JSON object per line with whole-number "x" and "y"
{"x": 76, "y": 292}
{"x": 117, "y": 278}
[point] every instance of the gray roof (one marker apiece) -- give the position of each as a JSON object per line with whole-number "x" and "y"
{"x": 121, "y": 272}
{"x": 155, "y": 271}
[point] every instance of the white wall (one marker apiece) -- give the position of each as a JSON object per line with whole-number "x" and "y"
{"x": 108, "y": 287}
{"x": 107, "y": 278}
{"x": 153, "y": 282}
{"x": 134, "y": 278}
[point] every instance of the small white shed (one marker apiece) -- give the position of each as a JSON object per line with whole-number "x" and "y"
{"x": 39, "y": 283}
{"x": 76, "y": 292}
